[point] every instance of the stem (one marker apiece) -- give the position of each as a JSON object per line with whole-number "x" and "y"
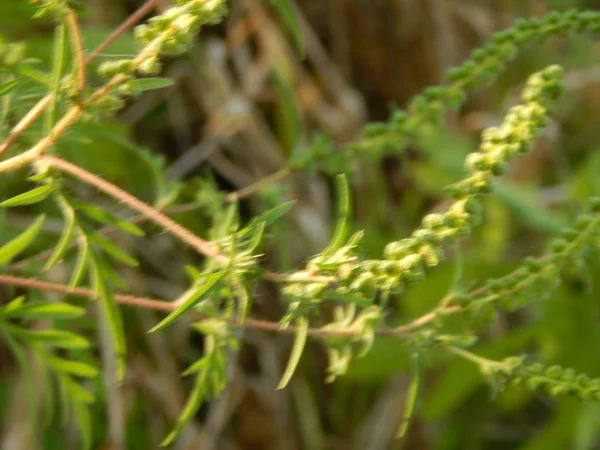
{"x": 76, "y": 50}
{"x": 202, "y": 246}
{"x": 255, "y": 187}
{"x": 43, "y": 103}
{"x": 138, "y": 15}
{"x": 166, "y": 306}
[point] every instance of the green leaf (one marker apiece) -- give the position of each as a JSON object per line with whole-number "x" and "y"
{"x": 59, "y": 53}
{"x": 66, "y": 235}
{"x": 44, "y": 310}
{"x": 84, "y": 423}
{"x": 412, "y": 396}
{"x": 25, "y": 366}
{"x": 36, "y": 75}
{"x": 344, "y": 211}
{"x": 75, "y": 368}
{"x": 268, "y": 217}
{"x": 79, "y": 393}
{"x": 113, "y": 317}
{"x": 102, "y": 216}
{"x": 9, "y": 86}
{"x": 82, "y": 260}
{"x": 288, "y": 119}
{"x": 192, "y": 405}
{"x": 22, "y": 241}
{"x": 13, "y": 304}
{"x": 297, "y": 349}
{"x": 35, "y": 195}
{"x": 287, "y": 14}
{"x": 191, "y": 297}
{"x": 57, "y": 338}
{"x": 113, "y": 250}
{"x": 147, "y": 84}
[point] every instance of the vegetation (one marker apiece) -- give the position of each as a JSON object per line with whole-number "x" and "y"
{"x": 459, "y": 288}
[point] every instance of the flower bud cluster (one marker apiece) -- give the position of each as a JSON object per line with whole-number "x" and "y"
{"x": 170, "y": 33}
{"x": 484, "y": 65}
{"x": 556, "y": 380}
{"x": 536, "y": 278}
{"x": 407, "y": 259}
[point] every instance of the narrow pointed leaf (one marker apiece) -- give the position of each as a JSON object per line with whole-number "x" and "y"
{"x": 147, "y": 84}
{"x": 192, "y": 405}
{"x": 289, "y": 120}
{"x": 13, "y": 304}
{"x": 44, "y": 310}
{"x": 193, "y": 297}
{"x": 35, "y": 195}
{"x": 113, "y": 250}
{"x": 297, "y": 349}
{"x": 58, "y": 64}
{"x": 10, "y": 86}
{"x": 412, "y": 396}
{"x": 22, "y": 241}
{"x": 66, "y": 235}
{"x": 84, "y": 423}
{"x": 289, "y": 18}
{"x": 113, "y": 318}
{"x": 75, "y": 368}
{"x": 82, "y": 260}
{"x": 102, "y": 216}
{"x": 344, "y": 211}
{"x": 56, "y": 338}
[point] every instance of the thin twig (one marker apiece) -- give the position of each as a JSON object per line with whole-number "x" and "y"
{"x": 260, "y": 184}
{"x": 152, "y": 214}
{"x": 166, "y": 306}
{"x": 134, "y": 18}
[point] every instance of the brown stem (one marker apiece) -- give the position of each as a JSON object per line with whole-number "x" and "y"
{"x": 76, "y": 49}
{"x": 202, "y": 246}
{"x": 165, "y": 306}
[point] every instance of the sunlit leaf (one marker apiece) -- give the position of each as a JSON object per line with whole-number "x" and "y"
{"x": 45, "y": 310}
{"x": 75, "y": 368}
{"x": 22, "y": 241}
{"x": 113, "y": 250}
{"x": 297, "y": 349}
{"x": 192, "y": 405}
{"x": 55, "y": 338}
{"x": 147, "y": 84}
{"x": 82, "y": 260}
{"x": 35, "y": 195}
{"x": 66, "y": 235}
{"x": 412, "y": 397}
{"x": 10, "y": 86}
{"x": 343, "y": 218}
{"x": 191, "y": 297}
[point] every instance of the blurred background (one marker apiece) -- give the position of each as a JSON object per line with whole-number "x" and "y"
{"x": 229, "y": 121}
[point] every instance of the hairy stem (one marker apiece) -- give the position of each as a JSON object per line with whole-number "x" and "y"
{"x": 152, "y": 214}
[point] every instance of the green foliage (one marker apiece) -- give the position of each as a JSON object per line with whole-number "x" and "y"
{"x": 340, "y": 296}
